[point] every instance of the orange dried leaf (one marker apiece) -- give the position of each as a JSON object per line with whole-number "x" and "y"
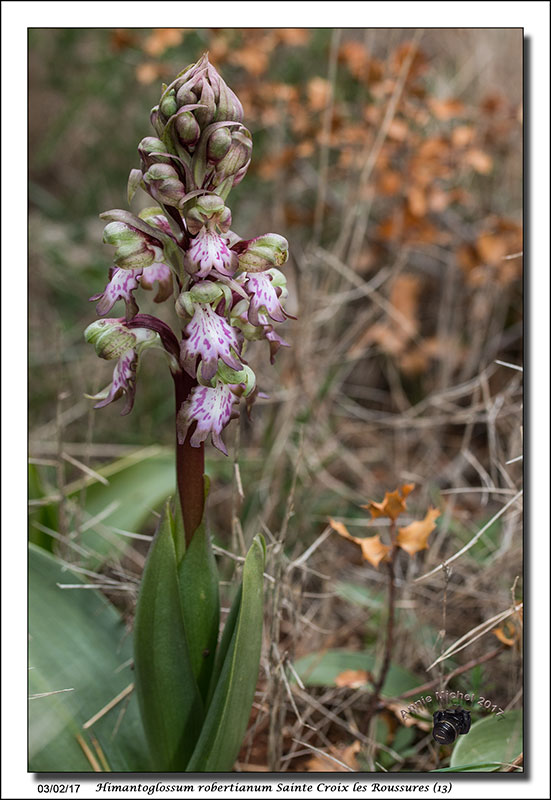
{"x": 463, "y": 135}
{"x": 479, "y": 160}
{"x": 319, "y": 92}
{"x": 347, "y": 755}
{"x": 401, "y": 711}
{"x": 393, "y": 504}
{"x": 373, "y": 550}
{"x": 446, "y": 109}
{"x": 352, "y": 678}
{"x": 294, "y": 37}
{"x": 340, "y": 528}
{"x": 492, "y": 247}
{"x": 417, "y": 201}
{"x": 356, "y": 58}
{"x": 414, "y": 537}
{"x": 254, "y": 60}
{"x": 161, "y": 39}
{"x": 503, "y": 638}
{"x": 148, "y": 72}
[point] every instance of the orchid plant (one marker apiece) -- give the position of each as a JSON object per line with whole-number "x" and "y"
{"x": 195, "y": 693}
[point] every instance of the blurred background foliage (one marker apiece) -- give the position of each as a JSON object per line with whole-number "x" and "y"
{"x": 392, "y": 162}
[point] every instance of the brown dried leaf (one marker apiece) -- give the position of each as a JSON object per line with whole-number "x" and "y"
{"x": 389, "y": 183}
{"x": 463, "y": 135}
{"x": 398, "y": 130}
{"x": 356, "y": 58}
{"x": 345, "y": 754}
{"x": 393, "y": 504}
{"x": 417, "y": 201}
{"x": 414, "y": 537}
{"x": 479, "y": 160}
{"x": 373, "y": 550}
{"x": 446, "y": 109}
{"x": 352, "y": 678}
{"x": 408, "y": 721}
{"x": 253, "y": 59}
{"x": 294, "y": 37}
{"x": 503, "y": 638}
{"x": 319, "y": 92}
{"x": 148, "y": 72}
{"x": 161, "y": 39}
{"x": 492, "y": 247}
{"x": 121, "y": 38}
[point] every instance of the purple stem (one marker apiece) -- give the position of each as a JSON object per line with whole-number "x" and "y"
{"x": 190, "y": 461}
{"x": 190, "y": 465}
{"x": 169, "y": 340}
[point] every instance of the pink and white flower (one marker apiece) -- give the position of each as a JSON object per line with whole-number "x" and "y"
{"x": 209, "y": 250}
{"x": 263, "y": 298}
{"x": 124, "y": 382}
{"x": 210, "y": 409}
{"x": 123, "y": 282}
{"x": 209, "y": 337}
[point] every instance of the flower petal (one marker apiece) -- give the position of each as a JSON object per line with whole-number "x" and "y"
{"x": 212, "y": 409}
{"x": 124, "y": 382}
{"x": 158, "y": 272}
{"x": 211, "y": 338}
{"x": 209, "y": 251}
{"x": 122, "y": 282}
{"x": 263, "y": 298}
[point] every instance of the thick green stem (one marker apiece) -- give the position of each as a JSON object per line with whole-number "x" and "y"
{"x": 190, "y": 466}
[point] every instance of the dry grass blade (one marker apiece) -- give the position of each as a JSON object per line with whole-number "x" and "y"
{"x": 111, "y": 704}
{"x": 475, "y": 633}
{"x": 472, "y": 542}
{"x": 325, "y": 756}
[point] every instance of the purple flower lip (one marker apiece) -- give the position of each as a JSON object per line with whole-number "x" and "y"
{"x": 124, "y": 282}
{"x": 264, "y": 298}
{"x": 209, "y": 337}
{"x": 209, "y": 251}
{"x": 209, "y": 409}
{"x": 124, "y": 382}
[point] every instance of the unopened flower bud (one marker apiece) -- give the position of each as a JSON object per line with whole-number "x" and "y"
{"x": 187, "y": 128}
{"x": 185, "y": 96}
{"x": 203, "y": 292}
{"x": 205, "y": 209}
{"x": 263, "y": 252}
{"x": 168, "y": 105}
{"x": 164, "y": 183}
{"x": 218, "y": 145}
{"x": 231, "y": 169}
{"x": 135, "y": 250}
{"x": 112, "y": 338}
{"x": 238, "y": 154}
{"x": 205, "y": 115}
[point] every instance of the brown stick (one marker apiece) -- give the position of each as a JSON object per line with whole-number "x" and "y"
{"x": 389, "y": 637}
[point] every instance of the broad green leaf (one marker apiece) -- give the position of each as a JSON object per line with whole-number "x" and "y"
{"x": 77, "y": 641}
{"x": 41, "y": 515}
{"x": 170, "y": 703}
{"x": 225, "y": 642}
{"x": 481, "y": 767}
{"x": 229, "y": 711}
{"x": 494, "y": 739}
{"x": 137, "y": 485}
{"x": 360, "y": 595}
{"x": 321, "y": 669}
{"x": 198, "y": 578}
